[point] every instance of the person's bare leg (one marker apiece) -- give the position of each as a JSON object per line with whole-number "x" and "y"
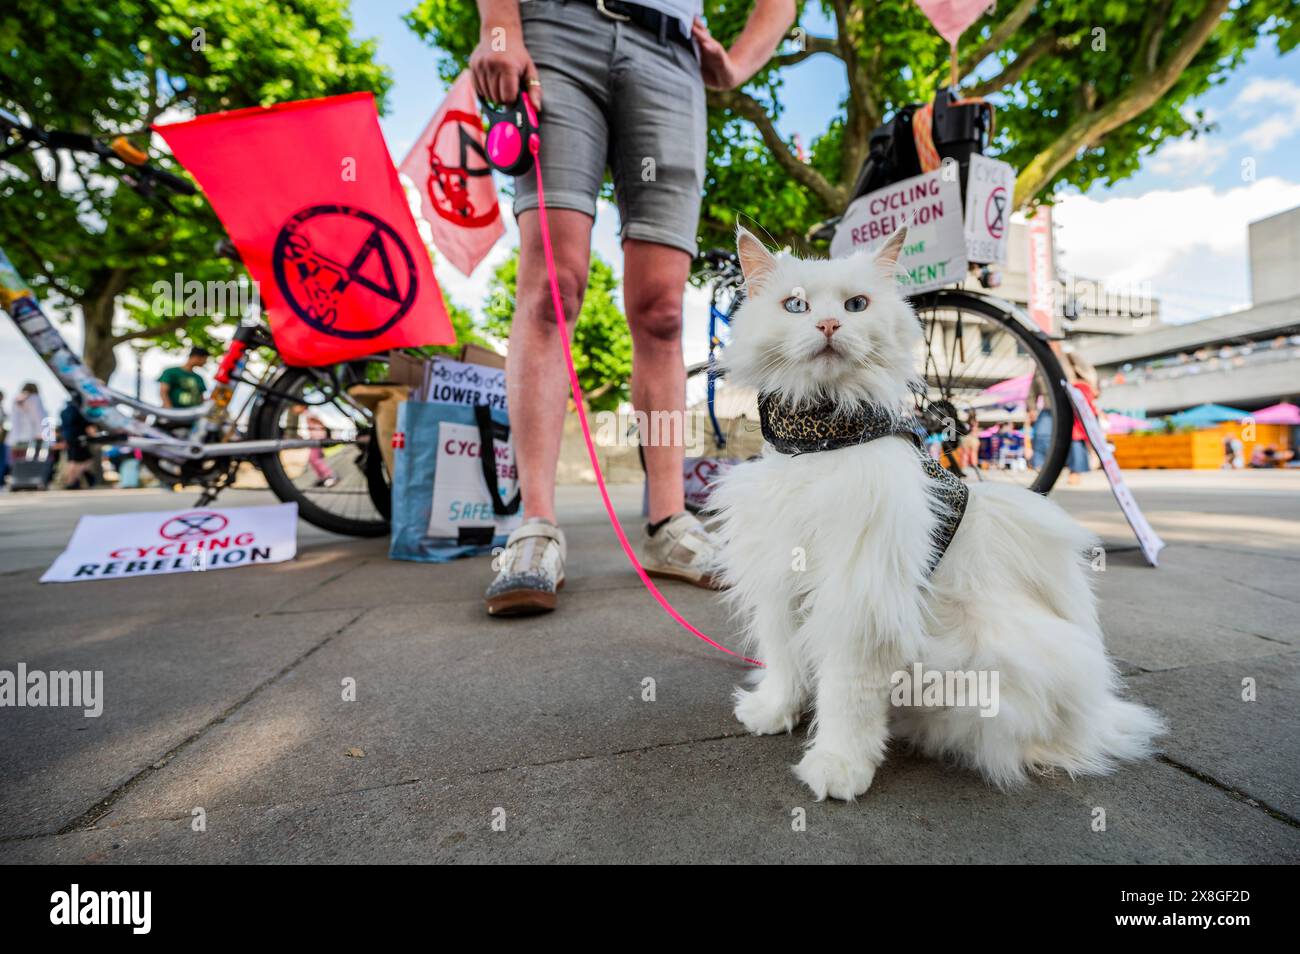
{"x": 536, "y": 380}
{"x": 654, "y": 280}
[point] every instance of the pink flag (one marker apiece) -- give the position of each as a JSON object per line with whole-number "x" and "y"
{"x": 447, "y": 165}
{"x": 951, "y": 17}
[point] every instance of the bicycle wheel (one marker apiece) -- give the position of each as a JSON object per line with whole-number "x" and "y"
{"x": 982, "y": 363}
{"x": 343, "y": 488}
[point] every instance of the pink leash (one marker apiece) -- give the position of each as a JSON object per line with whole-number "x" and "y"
{"x": 534, "y": 145}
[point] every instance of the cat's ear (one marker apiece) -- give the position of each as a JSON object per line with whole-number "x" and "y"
{"x": 887, "y": 257}
{"x": 755, "y": 260}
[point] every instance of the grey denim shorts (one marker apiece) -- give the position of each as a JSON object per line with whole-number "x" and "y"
{"x": 613, "y": 96}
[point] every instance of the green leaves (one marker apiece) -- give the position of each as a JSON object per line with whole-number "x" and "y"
{"x": 602, "y": 345}
{"x": 78, "y": 235}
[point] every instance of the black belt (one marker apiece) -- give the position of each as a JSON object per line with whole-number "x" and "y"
{"x": 663, "y": 26}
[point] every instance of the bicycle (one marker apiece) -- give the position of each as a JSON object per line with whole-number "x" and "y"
{"x": 206, "y": 445}
{"x": 972, "y": 343}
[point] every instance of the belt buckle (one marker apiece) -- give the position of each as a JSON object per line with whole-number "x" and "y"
{"x": 600, "y": 5}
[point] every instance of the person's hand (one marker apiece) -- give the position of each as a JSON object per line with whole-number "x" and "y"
{"x": 716, "y": 65}
{"x": 500, "y": 73}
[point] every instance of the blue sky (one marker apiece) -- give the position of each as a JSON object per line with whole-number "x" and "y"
{"x": 1178, "y": 227}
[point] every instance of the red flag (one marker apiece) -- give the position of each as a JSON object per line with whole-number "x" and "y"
{"x": 449, "y": 167}
{"x": 310, "y": 198}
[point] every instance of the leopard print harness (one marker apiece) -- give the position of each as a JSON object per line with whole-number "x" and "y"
{"x": 810, "y": 429}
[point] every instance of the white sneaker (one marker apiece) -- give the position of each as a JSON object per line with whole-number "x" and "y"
{"x": 531, "y": 571}
{"x": 682, "y": 549}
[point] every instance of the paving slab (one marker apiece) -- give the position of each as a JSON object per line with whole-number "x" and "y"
{"x": 708, "y": 802}
{"x": 162, "y": 684}
{"x": 226, "y": 690}
{"x": 1242, "y": 735}
{"x": 438, "y": 691}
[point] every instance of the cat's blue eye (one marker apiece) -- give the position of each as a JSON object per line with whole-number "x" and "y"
{"x": 796, "y": 305}
{"x": 856, "y": 303}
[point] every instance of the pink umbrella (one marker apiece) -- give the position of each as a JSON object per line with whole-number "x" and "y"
{"x": 1010, "y": 391}
{"x": 1283, "y": 413}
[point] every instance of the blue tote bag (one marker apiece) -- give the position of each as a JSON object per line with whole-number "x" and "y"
{"x": 455, "y": 487}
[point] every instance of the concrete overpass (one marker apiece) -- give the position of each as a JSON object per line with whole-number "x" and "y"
{"x": 1247, "y": 358}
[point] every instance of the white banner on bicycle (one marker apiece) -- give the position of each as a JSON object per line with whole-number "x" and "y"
{"x": 934, "y": 254}
{"x": 126, "y": 545}
{"x": 990, "y": 185}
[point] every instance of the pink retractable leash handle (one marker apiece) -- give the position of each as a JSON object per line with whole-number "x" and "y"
{"x": 522, "y": 128}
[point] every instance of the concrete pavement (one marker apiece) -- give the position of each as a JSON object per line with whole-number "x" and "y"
{"x": 224, "y": 693}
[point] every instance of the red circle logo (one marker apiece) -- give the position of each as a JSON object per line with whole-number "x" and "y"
{"x": 456, "y": 156}
{"x": 193, "y": 525}
{"x": 995, "y": 212}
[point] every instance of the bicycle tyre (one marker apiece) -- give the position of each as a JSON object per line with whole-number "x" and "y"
{"x": 1037, "y": 345}
{"x": 265, "y": 426}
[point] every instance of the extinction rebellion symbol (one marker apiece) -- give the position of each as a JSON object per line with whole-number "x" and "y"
{"x": 343, "y": 271}
{"x": 450, "y": 169}
{"x": 995, "y": 212}
{"x": 195, "y": 524}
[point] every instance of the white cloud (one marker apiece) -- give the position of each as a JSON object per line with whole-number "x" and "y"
{"x": 1277, "y": 101}
{"x": 1267, "y": 134}
{"x": 1131, "y": 239}
{"x": 1188, "y": 244}
{"x": 1185, "y": 156}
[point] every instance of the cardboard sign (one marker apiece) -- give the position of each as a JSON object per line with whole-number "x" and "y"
{"x": 990, "y": 184}
{"x": 125, "y": 545}
{"x": 1147, "y": 538}
{"x": 460, "y": 495}
{"x": 699, "y": 475}
{"x": 455, "y": 382}
{"x": 929, "y": 205}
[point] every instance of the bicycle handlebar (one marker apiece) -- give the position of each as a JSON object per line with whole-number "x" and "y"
{"x": 121, "y": 150}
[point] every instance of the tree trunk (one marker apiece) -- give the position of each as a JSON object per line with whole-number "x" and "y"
{"x": 97, "y": 351}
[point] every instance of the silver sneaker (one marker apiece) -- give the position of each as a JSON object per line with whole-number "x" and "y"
{"x": 683, "y": 550}
{"x": 531, "y": 571}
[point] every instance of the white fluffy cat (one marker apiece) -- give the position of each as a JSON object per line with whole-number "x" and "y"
{"x": 827, "y": 556}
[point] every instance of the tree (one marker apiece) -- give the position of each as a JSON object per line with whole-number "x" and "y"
{"x": 1083, "y": 90}
{"x": 114, "y": 68}
{"x": 602, "y": 345}
{"x": 466, "y": 329}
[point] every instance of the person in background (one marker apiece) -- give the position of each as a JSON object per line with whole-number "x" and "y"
{"x": 316, "y": 430}
{"x": 1234, "y": 453}
{"x": 968, "y": 448}
{"x": 183, "y": 387}
{"x": 28, "y": 415}
{"x": 1083, "y": 378}
{"x": 76, "y": 446}
{"x": 1038, "y": 414}
{"x": 1271, "y": 456}
{"x": 4, "y": 441}
{"x": 127, "y": 463}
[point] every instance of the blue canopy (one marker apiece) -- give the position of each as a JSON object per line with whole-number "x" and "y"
{"x": 1206, "y": 414}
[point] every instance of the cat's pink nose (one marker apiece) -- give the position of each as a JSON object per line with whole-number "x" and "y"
{"x": 828, "y": 326}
